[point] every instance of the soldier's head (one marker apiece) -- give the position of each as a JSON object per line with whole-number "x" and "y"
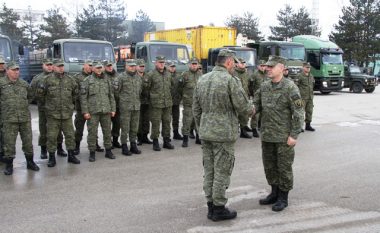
{"x": 275, "y": 68}
{"x": 2, "y": 64}
{"x": 130, "y": 66}
{"x": 47, "y": 65}
{"x": 171, "y": 67}
{"x": 306, "y": 67}
{"x": 87, "y": 66}
{"x": 59, "y": 66}
{"x": 194, "y": 64}
{"x": 261, "y": 65}
{"x": 13, "y": 71}
{"x": 227, "y": 58}
{"x": 108, "y": 66}
{"x": 286, "y": 71}
{"x": 160, "y": 63}
{"x": 241, "y": 64}
{"x": 140, "y": 65}
{"x": 97, "y": 68}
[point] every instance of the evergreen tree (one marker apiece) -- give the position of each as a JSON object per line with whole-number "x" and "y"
{"x": 284, "y": 30}
{"x": 8, "y": 23}
{"x": 246, "y": 25}
{"x": 140, "y": 25}
{"x": 114, "y": 15}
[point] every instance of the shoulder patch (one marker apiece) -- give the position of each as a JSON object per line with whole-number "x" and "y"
{"x": 298, "y": 103}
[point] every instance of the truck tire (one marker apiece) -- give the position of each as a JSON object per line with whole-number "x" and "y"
{"x": 325, "y": 92}
{"x": 370, "y": 89}
{"x": 357, "y": 87}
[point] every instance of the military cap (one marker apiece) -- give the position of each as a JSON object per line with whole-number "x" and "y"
{"x": 2, "y": 60}
{"x": 171, "y": 64}
{"x": 88, "y": 62}
{"x": 228, "y": 53}
{"x": 130, "y": 62}
{"x": 47, "y": 61}
{"x": 58, "y": 62}
{"x": 274, "y": 60}
{"x": 306, "y": 64}
{"x": 241, "y": 60}
{"x": 97, "y": 64}
{"x": 160, "y": 58}
{"x": 262, "y": 62}
{"x": 194, "y": 60}
{"x": 13, "y": 65}
{"x": 140, "y": 62}
{"x": 107, "y": 63}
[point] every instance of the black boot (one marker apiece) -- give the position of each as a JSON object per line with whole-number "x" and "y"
{"x": 185, "y": 142}
{"x": 210, "y": 207}
{"x": 146, "y": 140}
{"x": 156, "y": 145}
{"x": 139, "y": 139}
{"x": 125, "y": 150}
{"x": 8, "y": 166}
{"x": 77, "y": 148}
{"x": 167, "y": 144}
{"x": 30, "y": 164}
{"x": 222, "y": 213}
{"x": 115, "y": 142}
{"x": 255, "y": 134}
{"x": 308, "y": 127}
{"x": 43, "y": 152}
{"x": 282, "y": 201}
{"x": 91, "y": 158}
{"x": 60, "y": 151}
{"x": 247, "y": 128}
{"x": 71, "y": 158}
{"x": 134, "y": 148}
{"x": 99, "y": 148}
{"x": 271, "y": 198}
{"x": 192, "y": 135}
{"x": 109, "y": 154}
{"x": 176, "y": 135}
{"x": 197, "y": 139}
{"x": 51, "y": 162}
{"x": 244, "y": 133}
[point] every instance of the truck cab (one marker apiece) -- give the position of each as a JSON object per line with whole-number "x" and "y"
{"x": 357, "y": 81}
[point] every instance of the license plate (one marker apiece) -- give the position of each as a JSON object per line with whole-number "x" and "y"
{"x": 334, "y": 83}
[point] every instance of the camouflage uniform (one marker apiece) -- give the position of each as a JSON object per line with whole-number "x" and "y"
{"x": 176, "y": 98}
{"x": 113, "y": 76}
{"x": 2, "y": 75}
{"x": 144, "y": 124}
{"x": 242, "y": 75}
{"x": 306, "y": 87}
{"x": 257, "y": 78}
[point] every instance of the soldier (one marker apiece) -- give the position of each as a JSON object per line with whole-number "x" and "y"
{"x": 286, "y": 72}
{"x": 280, "y": 105}
{"x": 2, "y": 74}
{"x": 144, "y": 123}
{"x": 14, "y": 95}
{"x": 58, "y": 91}
{"x": 219, "y": 101}
{"x": 187, "y": 84}
{"x": 98, "y": 106}
{"x": 111, "y": 73}
{"x": 159, "y": 85}
{"x": 306, "y": 85}
{"x": 176, "y": 98}
{"x": 2, "y": 67}
{"x": 47, "y": 68}
{"x": 242, "y": 74}
{"x": 129, "y": 91}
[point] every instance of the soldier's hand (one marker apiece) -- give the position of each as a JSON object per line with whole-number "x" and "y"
{"x": 113, "y": 114}
{"x": 291, "y": 141}
{"x": 86, "y": 116}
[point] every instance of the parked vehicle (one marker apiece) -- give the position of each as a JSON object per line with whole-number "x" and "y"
{"x": 357, "y": 81}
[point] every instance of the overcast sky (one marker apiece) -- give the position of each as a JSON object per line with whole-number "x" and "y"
{"x": 178, "y": 14}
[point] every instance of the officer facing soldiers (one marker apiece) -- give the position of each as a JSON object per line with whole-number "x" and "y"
{"x": 187, "y": 83}
{"x": 219, "y": 102}
{"x": 280, "y": 105}
{"x": 159, "y": 85}
{"x": 58, "y": 91}
{"x": 306, "y": 85}
{"x": 14, "y": 95}
{"x": 98, "y": 106}
{"x": 129, "y": 91}
{"x": 144, "y": 124}
{"x": 176, "y": 98}
{"x": 47, "y": 68}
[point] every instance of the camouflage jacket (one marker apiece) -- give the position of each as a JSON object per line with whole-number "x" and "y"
{"x": 176, "y": 96}
{"x": 14, "y": 100}
{"x": 187, "y": 83}
{"x": 129, "y": 91}
{"x": 145, "y": 95}
{"x": 96, "y": 95}
{"x": 79, "y": 77}
{"x": 114, "y": 77}
{"x": 2, "y": 74}
{"x": 242, "y": 74}
{"x": 281, "y": 109}
{"x": 58, "y": 92}
{"x": 306, "y": 85}
{"x": 159, "y": 86}
{"x": 257, "y": 78}
{"x": 34, "y": 88}
{"x": 219, "y": 101}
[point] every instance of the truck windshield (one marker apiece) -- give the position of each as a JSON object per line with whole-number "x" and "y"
{"x": 332, "y": 58}
{"x": 80, "y": 51}
{"x": 248, "y": 56}
{"x": 172, "y": 53}
{"x": 354, "y": 69}
{"x": 293, "y": 52}
{"x": 5, "y": 49}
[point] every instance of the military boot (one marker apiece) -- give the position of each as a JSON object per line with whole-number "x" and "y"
{"x": 43, "y": 152}
{"x": 244, "y": 133}
{"x": 77, "y": 148}
{"x": 167, "y": 144}
{"x": 115, "y": 142}
{"x": 176, "y": 135}
{"x": 271, "y": 198}
{"x": 98, "y": 147}
{"x": 185, "y": 142}
{"x": 60, "y": 151}
{"x": 156, "y": 145}
{"x": 197, "y": 139}
{"x": 255, "y": 134}
{"x": 220, "y": 213}
{"x": 192, "y": 135}
{"x": 139, "y": 139}
{"x": 134, "y": 148}
{"x": 247, "y": 128}
{"x": 51, "y": 162}
{"x": 146, "y": 140}
{"x": 308, "y": 127}
{"x": 91, "y": 158}
{"x": 71, "y": 158}
{"x": 30, "y": 164}
{"x": 8, "y": 166}
{"x": 125, "y": 150}
{"x": 109, "y": 154}
{"x": 282, "y": 201}
{"x": 210, "y": 207}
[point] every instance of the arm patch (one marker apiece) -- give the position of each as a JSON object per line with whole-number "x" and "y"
{"x": 297, "y": 100}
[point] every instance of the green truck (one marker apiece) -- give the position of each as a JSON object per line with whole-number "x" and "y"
{"x": 326, "y": 59}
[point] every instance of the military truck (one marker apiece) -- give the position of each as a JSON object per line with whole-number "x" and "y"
{"x": 7, "y": 50}
{"x": 326, "y": 60}
{"x": 357, "y": 81}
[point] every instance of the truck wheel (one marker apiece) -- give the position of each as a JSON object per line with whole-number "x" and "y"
{"x": 357, "y": 87}
{"x": 370, "y": 89}
{"x": 325, "y": 92}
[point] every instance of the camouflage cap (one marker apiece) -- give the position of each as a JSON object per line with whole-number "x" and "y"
{"x": 171, "y": 64}
{"x": 58, "y": 62}
{"x": 88, "y": 62}
{"x": 13, "y": 65}
{"x": 140, "y": 62}
{"x": 274, "y": 60}
{"x": 194, "y": 60}
{"x": 241, "y": 60}
{"x": 47, "y": 61}
{"x": 306, "y": 64}
{"x": 228, "y": 53}
{"x": 261, "y": 62}
{"x": 97, "y": 64}
{"x": 107, "y": 63}
{"x": 130, "y": 62}
{"x": 2, "y": 60}
{"x": 160, "y": 58}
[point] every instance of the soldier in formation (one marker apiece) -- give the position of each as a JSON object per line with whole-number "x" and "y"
{"x": 176, "y": 98}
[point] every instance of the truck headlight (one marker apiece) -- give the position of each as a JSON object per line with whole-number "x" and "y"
{"x": 342, "y": 83}
{"x": 324, "y": 83}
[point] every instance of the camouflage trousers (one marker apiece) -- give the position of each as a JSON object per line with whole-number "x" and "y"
{"x": 116, "y": 124}
{"x": 92, "y": 126}
{"x": 278, "y": 160}
{"x": 218, "y": 163}
{"x": 255, "y": 120}
{"x": 1, "y": 138}
{"x": 175, "y": 114}
{"x": 308, "y": 107}
{"x": 129, "y": 126}
{"x": 187, "y": 119}
{"x": 144, "y": 124}
{"x": 56, "y": 127}
{"x": 79, "y": 123}
{"x": 42, "y": 126}
{"x": 10, "y": 132}
{"x": 243, "y": 121}
{"x": 158, "y": 115}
